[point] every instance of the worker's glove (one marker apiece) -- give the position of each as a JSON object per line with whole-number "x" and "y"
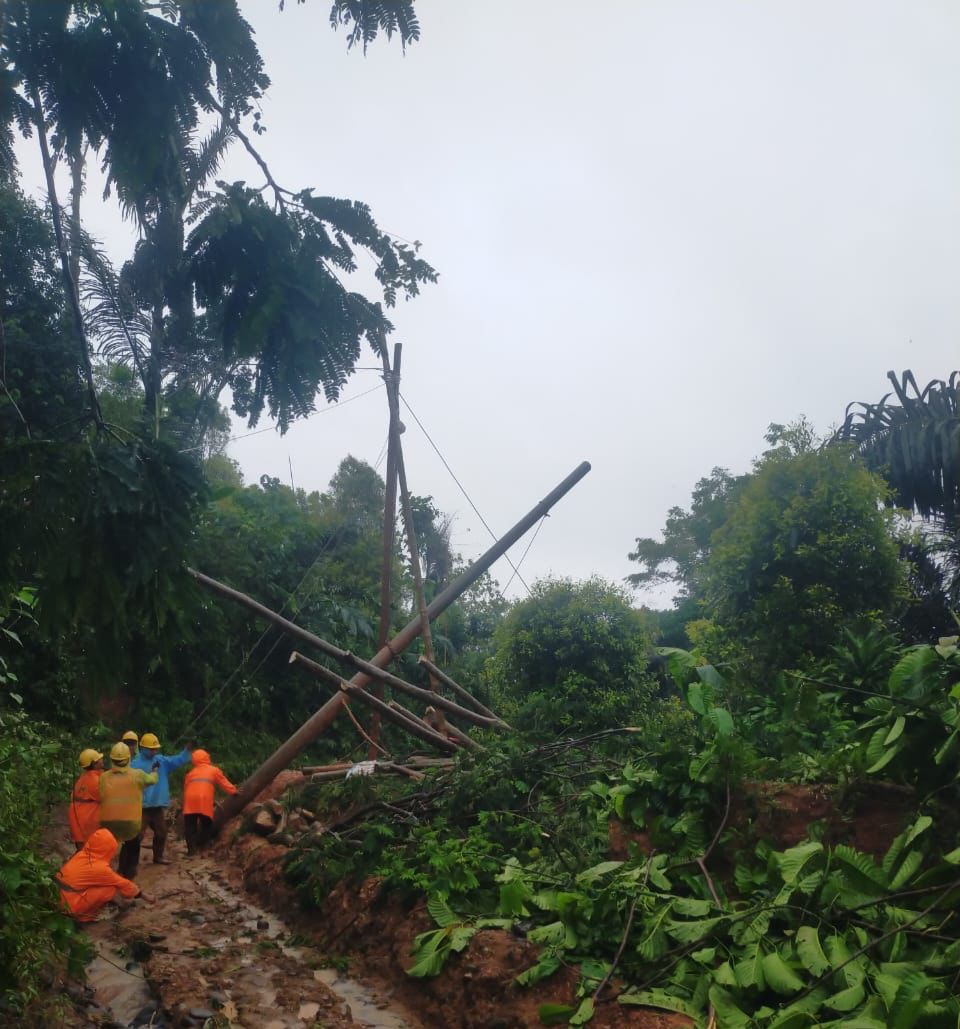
{"x": 155, "y": 766}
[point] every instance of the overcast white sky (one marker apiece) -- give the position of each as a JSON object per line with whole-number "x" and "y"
{"x": 659, "y": 227}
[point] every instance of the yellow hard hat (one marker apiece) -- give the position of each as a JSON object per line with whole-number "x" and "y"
{"x": 129, "y": 735}
{"x": 120, "y": 753}
{"x": 149, "y": 740}
{"x": 88, "y": 756}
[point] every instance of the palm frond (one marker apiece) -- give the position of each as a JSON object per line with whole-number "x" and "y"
{"x": 914, "y": 443}
{"x": 203, "y": 161}
{"x": 121, "y": 331}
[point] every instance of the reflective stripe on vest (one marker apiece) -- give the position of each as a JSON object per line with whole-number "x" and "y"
{"x": 120, "y": 797}
{"x": 190, "y": 782}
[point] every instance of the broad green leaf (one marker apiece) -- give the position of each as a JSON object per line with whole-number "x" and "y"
{"x": 440, "y": 912}
{"x": 848, "y": 999}
{"x": 885, "y": 759}
{"x": 494, "y": 923}
{"x": 875, "y": 746}
{"x": 721, "y": 719}
{"x": 729, "y": 1016}
{"x": 654, "y": 944}
{"x": 839, "y": 954}
{"x": 591, "y": 875}
{"x": 513, "y": 898}
{"x": 791, "y": 862}
{"x": 779, "y": 976}
{"x": 659, "y": 999}
{"x": 860, "y": 1022}
{"x": 909, "y": 1001}
{"x": 859, "y": 871}
{"x": 896, "y": 730}
{"x": 555, "y": 1014}
{"x": 460, "y": 936}
{"x": 809, "y": 950}
{"x": 709, "y": 675}
{"x": 545, "y": 967}
{"x": 949, "y": 748}
{"x": 792, "y": 1019}
{"x": 904, "y": 840}
{"x": 909, "y": 673}
{"x": 691, "y": 907}
{"x": 551, "y": 933}
{"x": 584, "y": 1012}
{"x": 749, "y": 970}
{"x": 696, "y": 699}
{"x": 725, "y": 975}
{"x": 690, "y": 932}
{"x": 908, "y": 869}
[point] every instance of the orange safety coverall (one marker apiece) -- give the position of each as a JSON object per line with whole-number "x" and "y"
{"x": 85, "y": 805}
{"x": 199, "y": 784}
{"x": 87, "y": 881}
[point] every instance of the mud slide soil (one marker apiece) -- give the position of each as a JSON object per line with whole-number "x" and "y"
{"x": 374, "y": 933}
{"x": 206, "y": 955}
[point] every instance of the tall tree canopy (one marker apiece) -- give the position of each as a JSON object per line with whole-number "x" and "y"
{"x": 807, "y": 549}
{"x": 228, "y": 288}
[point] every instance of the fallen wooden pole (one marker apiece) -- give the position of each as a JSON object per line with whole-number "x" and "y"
{"x": 445, "y": 728}
{"x": 338, "y": 682}
{"x": 314, "y": 726}
{"x": 427, "y": 696}
{"x": 337, "y": 766}
{"x": 408, "y": 715}
{"x": 423, "y": 731}
{"x": 464, "y": 694}
{"x": 333, "y": 774}
{"x": 463, "y": 739}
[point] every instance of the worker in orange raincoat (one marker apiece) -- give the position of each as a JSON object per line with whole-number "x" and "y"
{"x": 85, "y": 800}
{"x": 198, "y": 790}
{"x": 121, "y": 805}
{"x": 87, "y": 881}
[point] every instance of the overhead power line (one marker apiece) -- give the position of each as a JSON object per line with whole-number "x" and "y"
{"x": 483, "y": 520}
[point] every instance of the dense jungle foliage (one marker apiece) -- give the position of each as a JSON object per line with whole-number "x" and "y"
{"x": 803, "y": 647}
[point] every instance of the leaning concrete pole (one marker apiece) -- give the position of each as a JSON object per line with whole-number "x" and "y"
{"x": 322, "y": 719}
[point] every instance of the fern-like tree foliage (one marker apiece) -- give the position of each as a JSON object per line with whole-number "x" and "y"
{"x": 223, "y": 288}
{"x": 912, "y": 436}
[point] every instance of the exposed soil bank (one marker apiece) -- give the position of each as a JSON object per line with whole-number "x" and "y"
{"x": 476, "y": 989}
{"x": 206, "y": 955}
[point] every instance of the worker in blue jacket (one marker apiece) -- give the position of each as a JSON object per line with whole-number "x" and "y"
{"x": 156, "y": 799}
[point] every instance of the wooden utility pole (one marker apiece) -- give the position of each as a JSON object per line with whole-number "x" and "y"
{"x": 389, "y": 523}
{"x": 323, "y": 718}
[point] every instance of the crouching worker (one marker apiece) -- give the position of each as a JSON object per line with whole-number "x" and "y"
{"x": 198, "y": 789}
{"x": 121, "y": 805}
{"x": 87, "y": 881}
{"x": 85, "y": 802}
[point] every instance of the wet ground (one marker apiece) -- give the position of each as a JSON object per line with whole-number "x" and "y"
{"x": 206, "y": 955}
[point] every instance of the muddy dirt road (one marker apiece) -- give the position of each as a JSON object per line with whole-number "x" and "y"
{"x": 206, "y": 955}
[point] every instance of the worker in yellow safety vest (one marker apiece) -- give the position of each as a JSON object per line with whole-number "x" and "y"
{"x": 121, "y": 805}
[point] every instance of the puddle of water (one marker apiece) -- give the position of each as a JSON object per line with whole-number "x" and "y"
{"x": 366, "y": 1007}
{"x": 125, "y": 993}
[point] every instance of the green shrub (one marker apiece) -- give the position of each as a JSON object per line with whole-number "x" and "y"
{"x": 36, "y": 938}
